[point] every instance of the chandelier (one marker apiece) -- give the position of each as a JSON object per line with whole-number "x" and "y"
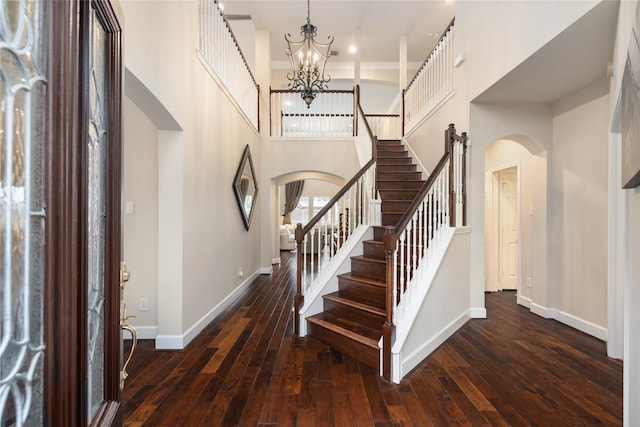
{"x": 308, "y": 58}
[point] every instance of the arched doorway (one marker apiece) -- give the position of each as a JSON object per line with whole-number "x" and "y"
{"x": 515, "y": 218}
{"x": 324, "y": 184}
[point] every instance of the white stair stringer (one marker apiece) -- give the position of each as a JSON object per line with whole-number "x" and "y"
{"x": 439, "y": 306}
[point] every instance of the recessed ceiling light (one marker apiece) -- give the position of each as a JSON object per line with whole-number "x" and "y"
{"x": 353, "y": 48}
{"x": 220, "y": 6}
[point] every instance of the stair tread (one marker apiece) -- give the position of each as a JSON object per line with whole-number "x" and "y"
{"x": 363, "y": 279}
{"x": 355, "y": 301}
{"x": 355, "y": 331}
{"x": 366, "y": 258}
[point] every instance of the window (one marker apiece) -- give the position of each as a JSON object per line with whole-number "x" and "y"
{"x": 300, "y": 215}
{"x": 318, "y": 204}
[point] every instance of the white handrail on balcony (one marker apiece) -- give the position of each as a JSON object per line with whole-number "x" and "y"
{"x": 385, "y": 126}
{"x": 219, "y": 48}
{"x": 433, "y": 82}
{"x": 331, "y": 115}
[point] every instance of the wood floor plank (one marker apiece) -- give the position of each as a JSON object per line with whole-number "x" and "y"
{"x": 342, "y": 409}
{"x": 247, "y": 369}
{"x": 224, "y": 346}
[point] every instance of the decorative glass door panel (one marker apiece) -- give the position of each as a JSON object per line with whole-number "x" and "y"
{"x": 23, "y": 101}
{"x": 96, "y": 187}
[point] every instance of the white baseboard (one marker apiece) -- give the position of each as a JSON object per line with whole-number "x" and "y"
{"x": 170, "y": 342}
{"x": 267, "y": 270}
{"x": 478, "y": 313}
{"x": 276, "y": 260}
{"x": 415, "y": 358}
{"x": 143, "y": 332}
{"x": 575, "y": 322}
{"x": 524, "y": 301}
{"x": 179, "y": 342}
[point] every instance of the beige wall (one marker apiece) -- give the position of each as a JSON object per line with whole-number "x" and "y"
{"x": 203, "y": 245}
{"x": 578, "y": 202}
{"x": 140, "y": 228}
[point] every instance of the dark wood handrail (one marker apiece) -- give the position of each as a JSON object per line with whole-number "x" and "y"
{"x": 413, "y": 207}
{"x": 324, "y": 91}
{"x": 382, "y": 115}
{"x": 450, "y": 138}
{"x": 333, "y": 200}
{"x": 316, "y": 114}
{"x": 304, "y": 230}
{"x": 444, "y": 33}
{"x": 235, "y": 40}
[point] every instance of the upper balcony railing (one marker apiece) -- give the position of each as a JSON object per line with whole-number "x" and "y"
{"x": 332, "y": 114}
{"x": 385, "y": 126}
{"x": 219, "y": 48}
{"x": 433, "y": 82}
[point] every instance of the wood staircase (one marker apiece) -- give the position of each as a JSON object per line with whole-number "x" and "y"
{"x": 353, "y": 316}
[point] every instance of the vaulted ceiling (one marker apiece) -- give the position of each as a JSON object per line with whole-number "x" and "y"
{"x": 376, "y": 27}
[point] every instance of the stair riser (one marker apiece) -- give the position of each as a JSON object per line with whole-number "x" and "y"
{"x": 398, "y": 176}
{"x": 391, "y": 147}
{"x": 362, "y": 317}
{"x": 391, "y": 219}
{"x": 371, "y": 250}
{"x": 398, "y": 194}
{"x": 369, "y": 269}
{"x": 378, "y": 233}
{"x": 394, "y": 161}
{"x": 395, "y": 206}
{"x": 399, "y": 185}
{"x": 367, "y": 355}
{"x": 387, "y": 154}
{"x": 396, "y": 168}
{"x": 373, "y": 293}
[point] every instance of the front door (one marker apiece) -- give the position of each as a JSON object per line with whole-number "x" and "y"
{"x": 60, "y": 348}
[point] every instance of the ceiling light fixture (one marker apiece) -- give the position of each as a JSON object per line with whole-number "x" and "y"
{"x": 308, "y": 59}
{"x": 353, "y": 48}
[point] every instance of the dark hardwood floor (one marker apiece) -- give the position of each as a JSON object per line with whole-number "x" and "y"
{"x": 246, "y": 368}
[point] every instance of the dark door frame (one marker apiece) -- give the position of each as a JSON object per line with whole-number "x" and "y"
{"x": 66, "y": 235}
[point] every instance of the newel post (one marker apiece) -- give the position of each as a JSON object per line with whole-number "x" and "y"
{"x": 451, "y": 135}
{"x": 388, "y": 330}
{"x": 299, "y": 300}
{"x": 464, "y": 139}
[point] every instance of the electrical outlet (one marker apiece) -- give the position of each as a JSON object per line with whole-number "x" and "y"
{"x": 240, "y": 273}
{"x": 144, "y": 304}
{"x": 528, "y": 282}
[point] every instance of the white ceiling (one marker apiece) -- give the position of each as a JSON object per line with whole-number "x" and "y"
{"x": 376, "y": 26}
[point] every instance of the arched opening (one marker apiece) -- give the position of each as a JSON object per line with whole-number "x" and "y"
{"x": 319, "y": 188}
{"x": 515, "y": 218}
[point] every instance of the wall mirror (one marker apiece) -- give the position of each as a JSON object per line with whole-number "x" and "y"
{"x": 245, "y": 186}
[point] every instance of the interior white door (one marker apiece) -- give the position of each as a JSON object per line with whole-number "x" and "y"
{"x": 508, "y": 228}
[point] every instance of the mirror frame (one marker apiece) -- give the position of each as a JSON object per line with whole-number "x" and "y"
{"x": 240, "y": 196}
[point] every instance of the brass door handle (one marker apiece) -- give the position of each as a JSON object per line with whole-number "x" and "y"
{"x": 134, "y": 342}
